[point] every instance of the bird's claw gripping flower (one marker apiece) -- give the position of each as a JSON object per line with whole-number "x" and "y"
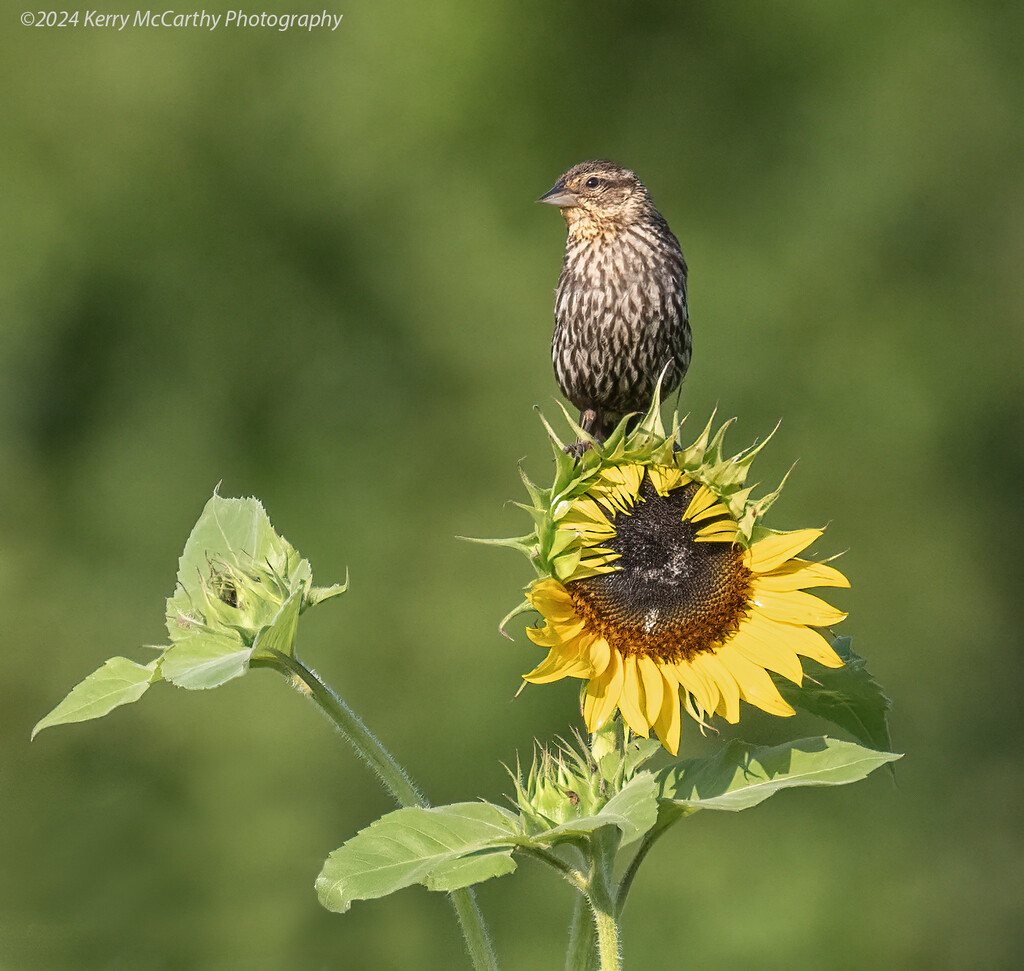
{"x": 660, "y": 588}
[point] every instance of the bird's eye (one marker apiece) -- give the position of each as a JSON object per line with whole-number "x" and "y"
{"x": 593, "y": 182}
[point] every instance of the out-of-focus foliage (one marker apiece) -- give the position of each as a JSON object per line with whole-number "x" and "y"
{"x": 309, "y": 266}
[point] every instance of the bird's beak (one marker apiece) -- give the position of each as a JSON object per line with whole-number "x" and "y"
{"x": 559, "y": 195}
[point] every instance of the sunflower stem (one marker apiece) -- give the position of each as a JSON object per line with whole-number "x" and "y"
{"x": 582, "y": 951}
{"x": 609, "y": 958}
{"x": 474, "y": 929}
{"x": 397, "y": 782}
{"x": 368, "y": 747}
{"x": 645, "y": 847}
{"x": 594, "y": 944}
{"x": 601, "y": 895}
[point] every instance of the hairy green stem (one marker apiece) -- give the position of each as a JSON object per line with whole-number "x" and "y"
{"x": 584, "y": 952}
{"x": 571, "y": 873}
{"x": 645, "y": 847}
{"x": 581, "y": 955}
{"x": 609, "y": 958}
{"x": 594, "y": 943}
{"x": 602, "y": 894}
{"x": 397, "y": 782}
{"x": 474, "y": 929}
{"x": 367, "y": 746}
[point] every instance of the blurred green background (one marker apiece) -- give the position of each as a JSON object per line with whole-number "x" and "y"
{"x": 309, "y": 266}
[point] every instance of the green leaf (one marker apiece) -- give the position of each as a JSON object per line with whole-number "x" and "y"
{"x": 205, "y": 660}
{"x": 467, "y": 870}
{"x": 118, "y": 682}
{"x": 209, "y": 658}
{"x": 522, "y": 543}
{"x": 639, "y": 751}
{"x": 741, "y": 775}
{"x": 633, "y": 809}
{"x": 320, "y": 594}
{"x": 637, "y": 804}
{"x": 237, "y": 533}
{"x": 443, "y": 848}
{"x": 240, "y": 590}
{"x": 280, "y": 635}
{"x": 848, "y": 696}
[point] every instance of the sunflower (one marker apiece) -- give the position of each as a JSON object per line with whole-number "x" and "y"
{"x": 661, "y": 589}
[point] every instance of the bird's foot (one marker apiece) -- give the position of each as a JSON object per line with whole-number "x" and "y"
{"x": 576, "y": 449}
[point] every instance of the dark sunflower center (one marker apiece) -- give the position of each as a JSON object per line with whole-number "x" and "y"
{"x": 671, "y": 597}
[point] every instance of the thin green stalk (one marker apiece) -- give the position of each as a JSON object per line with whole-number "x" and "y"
{"x": 645, "y": 846}
{"x": 397, "y": 782}
{"x": 571, "y": 873}
{"x": 368, "y": 747}
{"x": 474, "y": 929}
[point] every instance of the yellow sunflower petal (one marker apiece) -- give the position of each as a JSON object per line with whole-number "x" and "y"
{"x": 555, "y": 632}
{"x": 620, "y": 501}
{"x": 585, "y": 513}
{"x": 810, "y": 643}
{"x": 633, "y": 476}
{"x": 718, "y": 509}
{"x": 654, "y": 686}
{"x": 695, "y": 711}
{"x": 773, "y": 551}
{"x": 631, "y": 701}
{"x": 587, "y": 532}
{"x": 755, "y": 684}
{"x": 559, "y": 664}
{"x": 624, "y": 478}
{"x": 618, "y": 486}
{"x": 600, "y": 655}
{"x": 702, "y": 499}
{"x": 668, "y": 724}
{"x": 798, "y": 574}
{"x": 593, "y": 567}
{"x": 583, "y": 538}
{"x": 599, "y": 555}
{"x": 723, "y": 531}
{"x": 551, "y": 599}
{"x": 588, "y": 568}
{"x": 549, "y": 589}
{"x": 758, "y": 643}
{"x": 602, "y": 695}
{"x": 729, "y": 703}
{"x": 789, "y": 639}
{"x": 794, "y": 607}
{"x": 585, "y": 509}
{"x": 703, "y": 689}
{"x": 569, "y": 628}
{"x": 611, "y": 477}
{"x": 665, "y": 478}
{"x": 546, "y": 636}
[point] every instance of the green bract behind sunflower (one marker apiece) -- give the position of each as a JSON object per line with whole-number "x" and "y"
{"x": 659, "y": 586}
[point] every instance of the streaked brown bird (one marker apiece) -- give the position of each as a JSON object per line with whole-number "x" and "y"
{"x": 620, "y": 307}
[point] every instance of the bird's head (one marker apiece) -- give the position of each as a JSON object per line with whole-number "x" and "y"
{"x": 598, "y": 198}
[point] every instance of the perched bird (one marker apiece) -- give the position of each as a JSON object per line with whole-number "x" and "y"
{"x": 620, "y": 307}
